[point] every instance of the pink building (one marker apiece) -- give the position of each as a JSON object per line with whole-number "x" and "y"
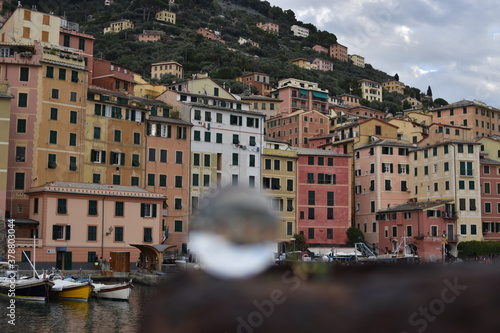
{"x": 490, "y": 198}
{"x": 269, "y": 27}
{"x": 260, "y": 81}
{"x": 419, "y": 225}
{"x": 298, "y": 127}
{"x": 74, "y": 223}
{"x": 339, "y": 52}
{"x": 323, "y": 196}
{"x": 301, "y": 95}
{"x": 320, "y": 49}
{"x": 211, "y": 35}
{"x": 112, "y": 76}
{"x": 323, "y": 65}
{"x": 150, "y": 36}
{"x": 382, "y": 177}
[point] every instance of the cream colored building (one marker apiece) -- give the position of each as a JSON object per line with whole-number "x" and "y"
{"x": 118, "y": 26}
{"x": 144, "y": 89}
{"x": 371, "y": 90}
{"x": 26, "y": 26}
{"x": 357, "y": 60}
{"x": 299, "y": 31}
{"x": 394, "y": 85}
{"x": 166, "y": 16}
{"x": 159, "y": 69}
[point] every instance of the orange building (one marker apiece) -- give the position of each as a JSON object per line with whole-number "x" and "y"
{"x": 339, "y": 52}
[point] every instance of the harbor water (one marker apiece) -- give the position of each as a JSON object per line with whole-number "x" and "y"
{"x": 96, "y": 315}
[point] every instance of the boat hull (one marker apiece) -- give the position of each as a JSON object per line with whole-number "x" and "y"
{"x": 36, "y": 290}
{"x": 119, "y": 292}
{"x": 77, "y": 293}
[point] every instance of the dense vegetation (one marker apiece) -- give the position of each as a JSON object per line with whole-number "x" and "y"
{"x": 478, "y": 249}
{"x": 233, "y": 19}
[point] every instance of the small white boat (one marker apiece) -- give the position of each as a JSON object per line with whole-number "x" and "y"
{"x": 117, "y": 291}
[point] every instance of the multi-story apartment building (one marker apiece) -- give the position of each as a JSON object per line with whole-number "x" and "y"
{"x": 5, "y": 97}
{"x": 200, "y": 85}
{"x": 323, "y": 65}
{"x": 323, "y": 196}
{"x": 299, "y": 31}
{"x": 417, "y": 228}
{"x": 167, "y": 170}
{"x": 321, "y": 49}
{"x": 279, "y": 183}
{"x": 166, "y": 16}
{"x": 77, "y": 223}
{"x": 158, "y": 69}
{"x": 450, "y": 170}
{"x": 394, "y": 85}
{"x": 270, "y": 107}
{"x": 210, "y": 35}
{"x": 370, "y": 90}
{"x": 490, "y": 197}
{"x": 301, "y": 95}
{"x": 269, "y": 27}
{"x": 414, "y": 103}
{"x": 112, "y": 76}
{"x": 339, "y": 51}
{"x": 298, "y": 127}
{"x": 357, "y": 60}
{"x": 301, "y": 62}
{"x": 481, "y": 119}
{"x": 150, "y": 36}
{"x": 365, "y": 112}
{"x": 349, "y": 100}
{"x": 382, "y": 179}
{"x": 118, "y": 26}
{"x": 260, "y": 81}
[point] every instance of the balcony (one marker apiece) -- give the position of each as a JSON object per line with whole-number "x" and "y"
{"x": 450, "y": 215}
{"x": 28, "y": 242}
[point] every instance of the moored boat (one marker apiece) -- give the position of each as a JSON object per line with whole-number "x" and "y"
{"x": 117, "y": 291}
{"x": 71, "y": 290}
{"x": 29, "y": 288}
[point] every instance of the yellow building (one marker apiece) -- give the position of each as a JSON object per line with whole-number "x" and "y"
{"x": 144, "y": 89}
{"x": 26, "y": 26}
{"x": 279, "y": 182}
{"x": 394, "y": 85}
{"x": 118, "y": 26}
{"x": 159, "y": 69}
{"x": 166, "y": 16}
{"x": 357, "y": 60}
{"x": 267, "y": 105}
{"x": 302, "y": 63}
{"x": 450, "y": 170}
{"x": 114, "y": 150}
{"x": 370, "y": 90}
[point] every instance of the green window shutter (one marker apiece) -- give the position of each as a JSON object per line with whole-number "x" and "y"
{"x": 97, "y": 110}
{"x": 143, "y": 209}
{"x": 68, "y": 232}
{"x": 72, "y": 139}
{"x": 54, "y": 231}
{"x": 122, "y": 159}
{"x": 154, "y": 210}
{"x": 73, "y": 117}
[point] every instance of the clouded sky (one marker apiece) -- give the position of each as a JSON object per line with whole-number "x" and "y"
{"x": 452, "y": 46}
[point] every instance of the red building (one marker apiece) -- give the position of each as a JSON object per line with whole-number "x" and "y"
{"x": 422, "y": 226}
{"x": 490, "y": 198}
{"x": 323, "y": 196}
{"x": 113, "y": 77}
{"x": 260, "y": 81}
{"x": 71, "y": 37}
{"x": 211, "y": 35}
{"x": 301, "y": 95}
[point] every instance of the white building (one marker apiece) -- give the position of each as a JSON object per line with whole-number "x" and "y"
{"x": 299, "y": 31}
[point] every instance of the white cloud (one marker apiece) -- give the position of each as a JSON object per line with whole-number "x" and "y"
{"x": 404, "y": 32}
{"x": 418, "y": 72}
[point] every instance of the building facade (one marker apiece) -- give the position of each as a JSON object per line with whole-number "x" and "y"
{"x": 301, "y": 95}
{"x": 171, "y": 67}
{"x": 339, "y": 51}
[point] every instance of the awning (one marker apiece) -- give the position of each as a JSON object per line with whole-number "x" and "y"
{"x": 303, "y": 92}
{"x": 154, "y": 255}
{"x": 320, "y": 94}
{"x": 24, "y": 221}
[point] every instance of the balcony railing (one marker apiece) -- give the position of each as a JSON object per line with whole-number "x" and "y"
{"x": 28, "y": 242}
{"x": 450, "y": 215}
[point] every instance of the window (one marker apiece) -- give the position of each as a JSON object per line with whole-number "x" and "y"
{"x": 61, "y": 232}
{"x": 473, "y": 229}
{"x": 53, "y": 137}
{"x": 152, "y": 155}
{"x": 310, "y": 160}
{"x": 311, "y": 197}
{"x": 117, "y": 136}
{"x": 62, "y": 74}
{"x": 178, "y": 181}
{"x": 387, "y": 186}
{"x": 19, "y": 181}
{"x": 177, "y": 226}
{"x": 487, "y": 207}
{"x": 251, "y": 161}
{"x": 24, "y": 73}
{"x": 378, "y": 130}
{"x": 206, "y": 160}
{"x": 197, "y": 136}
{"x": 137, "y": 138}
{"x": 289, "y": 185}
{"x": 81, "y": 44}
{"x": 251, "y": 181}
{"x": 330, "y": 201}
{"x": 91, "y": 233}
{"x": 49, "y": 72}
{"x": 218, "y": 138}
{"x": 178, "y": 157}
{"x": 151, "y": 179}
{"x": 404, "y": 186}
{"x": 22, "y": 100}
{"x": 116, "y": 179}
{"x": 72, "y": 139}
{"x": 236, "y": 139}
{"x": 118, "y": 234}
{"x": 394, "y": 231}
{"x": 487, "y": 189}
{"x": 277, "y": 164}
{"x": 289, "y": 228}
{"x": 20, "y": 154}
{"x": 96, "y": 178}
{"x": 74, "y": 76}
{"x": 119, "y": 208}
{"x": 466, "y": 168}
{"x": 461, "y": 203}
{"x": 196, "y": 179}
{"x": 206, "y": 180}
{"x": 182, "y": 132}
{"x": 434, "y": 230}
{"x": 178, "y": 203}
{"x": 289, "y": 166}
{"x": 148, "y": 210}
{"x": 148, "y": 235}
{"x": 52, "y": 161}
{"x": 463, "y": 229}
{"x": 134, "y": 181}
{"x": 234, "y": 180}
{"x": 55, "y": 93}
{"x": 61, "y": 206}
{"x": 310, "y": 233}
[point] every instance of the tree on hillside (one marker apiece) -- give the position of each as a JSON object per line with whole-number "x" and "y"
{"x": 354, "y": 235}
{"x": 396, "y": 77}
{"x": 438, "y": 102}
{"x": 429, "y": 91}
